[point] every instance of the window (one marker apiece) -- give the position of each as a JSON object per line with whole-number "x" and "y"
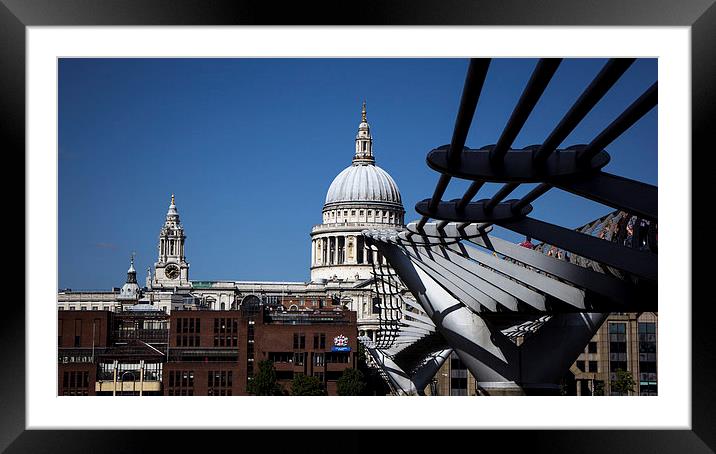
{"x": 647, "y": 358}
{"x": 281, "y": 357}
{"x": 181, "y": 383}
{"x": 458, "y": 376}
{"x": 458, "y": 386}
{"x": 336, "y": 357}
{"x": 78, "y": 332}
{"x": 323, "y": 340}
{"x": 219, "y": 383}
{"x": 580, "y": 365}
{"x": 298, "y": 358}
{"x": 617, "y": 348}
{"x": 593, "y": 366}
{"x": 592, "y": 347}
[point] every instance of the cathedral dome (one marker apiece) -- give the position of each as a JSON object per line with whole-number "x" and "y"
{"x": 363, "y": 182}
{"x": 362, "y": 196}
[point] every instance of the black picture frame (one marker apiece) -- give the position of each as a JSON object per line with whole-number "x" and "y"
{"x": 699, "y": 15}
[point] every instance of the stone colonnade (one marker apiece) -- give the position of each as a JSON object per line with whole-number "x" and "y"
{"x": 347, "y": 249}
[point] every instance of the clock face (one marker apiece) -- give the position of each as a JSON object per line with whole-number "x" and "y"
{"x": 171, "y": 271}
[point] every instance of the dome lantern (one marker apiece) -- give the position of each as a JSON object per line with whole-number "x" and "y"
{"x": 364, "y": 142}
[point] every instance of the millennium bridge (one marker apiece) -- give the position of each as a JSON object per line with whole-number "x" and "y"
{"x": 517, "y": 315}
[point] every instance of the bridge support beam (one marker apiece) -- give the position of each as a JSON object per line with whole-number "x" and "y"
{"x": 401, "y": 381}
{"x": 499, "y": 365}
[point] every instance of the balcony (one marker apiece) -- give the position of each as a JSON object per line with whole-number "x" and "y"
{"x": 128, "y": 386}
{"x": 347, "y": 226}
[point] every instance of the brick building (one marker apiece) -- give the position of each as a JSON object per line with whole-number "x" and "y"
{"x": 145, "y": 351}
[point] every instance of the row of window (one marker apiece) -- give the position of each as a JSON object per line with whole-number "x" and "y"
{"x": 220, "y": 379}
{"x": 378, "y": 213}
{"x": 187, "y": 341}
{"x": 219, "y": 341}
{"x": 188, "y": 325}
{"x": 226, "y": 325}
{"x": 181, "y": 379}
{"x": 319, "y": 359}
{"x": 97, "y": 308}
{"x": 75, "y": 379}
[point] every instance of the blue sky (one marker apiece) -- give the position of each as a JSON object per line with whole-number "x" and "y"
{"x": 250, "y": 147}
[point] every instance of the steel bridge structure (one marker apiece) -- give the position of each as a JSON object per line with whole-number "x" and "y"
{"x": 449, "y": 284}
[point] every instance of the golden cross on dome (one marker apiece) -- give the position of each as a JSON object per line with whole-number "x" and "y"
{"x": 172, "y": 198}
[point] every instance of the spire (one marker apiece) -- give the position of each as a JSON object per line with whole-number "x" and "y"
{"x": 131, "y": 272}
{"x": 364, "y": 141}
{"x": 172, "y": 214}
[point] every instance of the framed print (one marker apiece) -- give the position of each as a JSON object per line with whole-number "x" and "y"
{"x": 227, "y": 120}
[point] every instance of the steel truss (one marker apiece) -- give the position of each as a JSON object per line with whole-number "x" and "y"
{"x": 480, "y": 292}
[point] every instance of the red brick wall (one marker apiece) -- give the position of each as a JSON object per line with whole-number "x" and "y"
{"x": 72, "y": 324}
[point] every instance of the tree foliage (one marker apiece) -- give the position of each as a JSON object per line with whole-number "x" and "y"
{"x": 264, "y": 382}
{"x": 304, "y": 385}
{"x": 351, "y": 383}
{"x": 624, "y": 384}
{"x": 599, "y": 388}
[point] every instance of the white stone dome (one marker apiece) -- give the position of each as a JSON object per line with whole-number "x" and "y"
{"x": 363, "y": 182}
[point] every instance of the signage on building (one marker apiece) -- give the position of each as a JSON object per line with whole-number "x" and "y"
{"x": 340, "y": 344}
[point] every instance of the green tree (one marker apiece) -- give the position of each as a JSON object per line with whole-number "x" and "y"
{"x": 624, "y": 384}
{"x": 304, "y": 385}
{"x": 264, "y": 382}
{"x": 351, "y": 383}
{"x": 598, "y": 388}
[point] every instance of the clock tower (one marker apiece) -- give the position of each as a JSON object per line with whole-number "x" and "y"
{"x": 171, "y": 269}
